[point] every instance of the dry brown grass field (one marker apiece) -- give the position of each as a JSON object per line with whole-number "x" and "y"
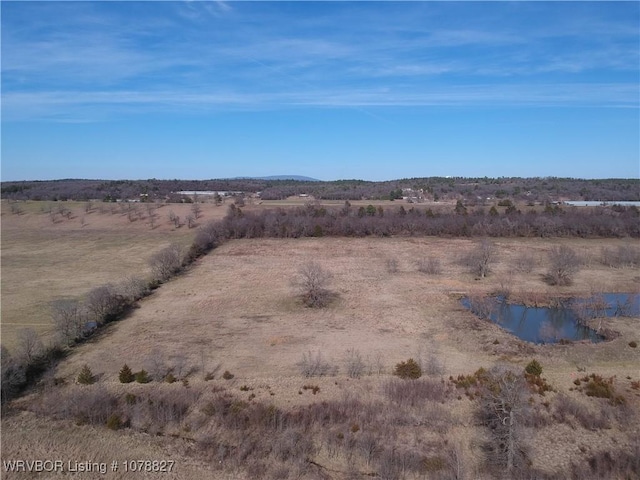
{"x": 236, "y": 310}
{"x": 44, "y": 260}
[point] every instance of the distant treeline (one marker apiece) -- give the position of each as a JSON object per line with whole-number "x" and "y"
{"x": 471, "y": 190}
{"x": 314, "y": 220}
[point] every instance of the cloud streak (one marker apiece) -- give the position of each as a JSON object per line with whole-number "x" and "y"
{"x": 98, "y": 105}
{"x": 206, "y": 56}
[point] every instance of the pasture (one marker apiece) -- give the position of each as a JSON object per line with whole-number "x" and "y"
{"x": 45, "y": 259}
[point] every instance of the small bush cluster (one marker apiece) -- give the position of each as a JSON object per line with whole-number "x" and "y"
{"x": 621, "y": 257}
{"x": 415, "y": 393}
{"x": 314, "y": 388}
{"x": 354, "y": 365}
{"x": 314, "y": 365}
{"x": 599, "y": 387}
{"x": 408, "y": 370}
{"x": 564, "y": 407}
{"x": 537, "y": 384}
{"x": 471, "y": 383}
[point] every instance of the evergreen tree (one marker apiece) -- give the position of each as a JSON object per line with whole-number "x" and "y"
{"x": 126, "y": 375}
{"x": 85, "y": 377}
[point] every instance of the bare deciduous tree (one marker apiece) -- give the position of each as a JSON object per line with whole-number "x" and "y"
{"x": 68, "y": 319}
{"x": 481, "y": 305}
{"x": 166, "y": 262}
{"x": 133, "y": 288}
{"x": 104, "y": 303}
{"x": 480, "y": 258}
{"x": 564, "y": 263}
{"x": 29, "y": 344}
{"x": 191, "y": 221}
{"x": 156, "y": 364}
{"x": 312, "y": 281}
{"x": 175, "y": 219}
{"x": 196, "y": 209}
{"x": 503, "y": 408}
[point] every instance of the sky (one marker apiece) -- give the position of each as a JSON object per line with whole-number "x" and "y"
{"x": 330, "y": 90}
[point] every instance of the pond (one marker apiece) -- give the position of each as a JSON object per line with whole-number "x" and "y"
{"x": 553, "y": 324}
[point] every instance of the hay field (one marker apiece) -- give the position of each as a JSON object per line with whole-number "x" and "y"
{"x": 43, "y": 260}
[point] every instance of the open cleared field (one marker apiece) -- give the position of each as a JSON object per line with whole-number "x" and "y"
{"x": 44, "y": 259}
{"x": 236, "y": 310}
{"x": 237, "y": 306}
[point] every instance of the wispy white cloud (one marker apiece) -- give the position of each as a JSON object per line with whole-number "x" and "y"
{"x": 198, "y": 56}
{"x": 99, "y": 105}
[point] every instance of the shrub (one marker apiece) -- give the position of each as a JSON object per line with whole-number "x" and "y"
{"x": 314, "y": 388}
{"x": 227, "y": 375}
{"x": 409, "y": 369}
{"x": 170, "y": 378}
{"x": 114, "y": 422}
{"x": 353, "y": 363}
{"x": 430, "y": 266}
{"x": 633, "y": 344}
{"x": 414, "y": 393}
{"x": 599, "y": 387}
{"x": 534, "y": 368}
{"x": 392, "y": 265}
{"x": 142, "y": 377}
{"x": 126, "y": 375}
{"x": 525, "y": 263}
{"x": 313, "y": 365}
{"x": 537, "y": 384}
{"x": 130, "y": 399}
{"x": 85, "y": 377}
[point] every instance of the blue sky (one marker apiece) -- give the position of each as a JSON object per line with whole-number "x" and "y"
{"x": 331, "y": 90}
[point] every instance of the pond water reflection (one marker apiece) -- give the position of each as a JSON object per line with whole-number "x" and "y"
{"x": 562, "y": 322}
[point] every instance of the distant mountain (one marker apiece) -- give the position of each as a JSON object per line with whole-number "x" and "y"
{"x": 299, "y": 178}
